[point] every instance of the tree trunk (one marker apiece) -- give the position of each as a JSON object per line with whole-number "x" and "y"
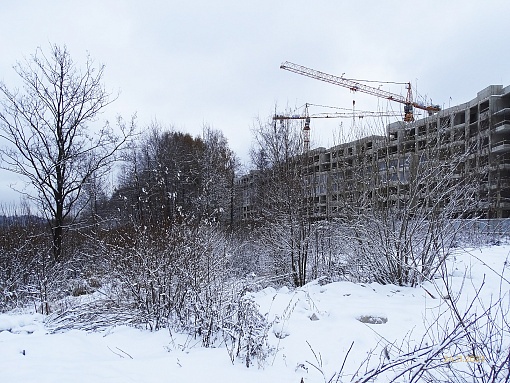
{"x": 58, "y": 236}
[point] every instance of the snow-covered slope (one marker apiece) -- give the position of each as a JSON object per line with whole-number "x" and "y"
{"x": 312, "y": 330}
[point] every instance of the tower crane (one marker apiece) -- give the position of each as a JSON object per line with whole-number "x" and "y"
{"x": 356, "y": 86}
{"x": 306, "y": 117}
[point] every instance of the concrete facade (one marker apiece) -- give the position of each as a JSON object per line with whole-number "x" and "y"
{"x": 374, "y": 171}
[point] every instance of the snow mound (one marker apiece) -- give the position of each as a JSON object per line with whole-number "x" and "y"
{"x": 21, "y": 323}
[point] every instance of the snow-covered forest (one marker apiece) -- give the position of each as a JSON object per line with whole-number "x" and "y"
{"x": 159, "y": 277}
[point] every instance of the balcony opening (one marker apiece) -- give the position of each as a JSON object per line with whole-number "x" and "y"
{"x": 473, "y": 114}
{"x": 460, "y": 118}
{"x": 484, "y": 106}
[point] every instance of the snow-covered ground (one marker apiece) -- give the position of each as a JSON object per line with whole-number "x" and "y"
{"x": 312, "y": 330}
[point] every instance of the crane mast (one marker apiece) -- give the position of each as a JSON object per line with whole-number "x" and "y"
{"x": 359, "y": 87}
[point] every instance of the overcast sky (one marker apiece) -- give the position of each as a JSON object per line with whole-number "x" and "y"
{"x": 192, "y": 63}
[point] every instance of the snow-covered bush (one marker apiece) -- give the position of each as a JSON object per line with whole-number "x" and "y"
{"x": 397, "y": 247}
{"x": 28, "y": 274}
{"x": 172, "y": 278}
{"x": 245, "y": 332}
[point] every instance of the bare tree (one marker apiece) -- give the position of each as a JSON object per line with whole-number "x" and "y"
{"x": 219, "y": 164}
{"x": 403, "y": 227}
{"x": 50, "y": 142}
{"x": 283, "y": 205}
{"x": 161, "y": 178}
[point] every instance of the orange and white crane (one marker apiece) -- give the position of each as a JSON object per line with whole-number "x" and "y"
{"x": 356, "y": 86}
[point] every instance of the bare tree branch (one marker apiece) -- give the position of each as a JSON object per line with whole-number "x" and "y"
{"x": 47, "y": 128}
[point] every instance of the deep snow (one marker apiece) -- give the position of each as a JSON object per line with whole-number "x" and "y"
{"x": 312, "y": 330}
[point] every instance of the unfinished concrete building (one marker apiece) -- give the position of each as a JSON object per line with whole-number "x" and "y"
{"x": 342, "y": 176}
{"x": 247, "y": 202}
{"x": 472, "y": 138}
{"x": 476, "y": 136}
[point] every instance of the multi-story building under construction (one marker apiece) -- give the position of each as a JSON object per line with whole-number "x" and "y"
{"x": 471, "y": 140}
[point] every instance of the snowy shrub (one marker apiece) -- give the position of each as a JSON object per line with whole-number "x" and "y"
{"x": 29, "y": 276}
{"x": 245, "y": 332}
{"x": 181, "y": 279}
{"x": 144, "y": 269}
{"x": 175, "y": 278}
{"x": 80, "y": 286}
{"x": 92, "y": 314}
{"x": 395, "y": 247}
{"x": 20, "y": 265}
{"x": 94, "y": 283}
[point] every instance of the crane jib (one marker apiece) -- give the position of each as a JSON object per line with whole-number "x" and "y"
{"x": 357, "y": 87}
